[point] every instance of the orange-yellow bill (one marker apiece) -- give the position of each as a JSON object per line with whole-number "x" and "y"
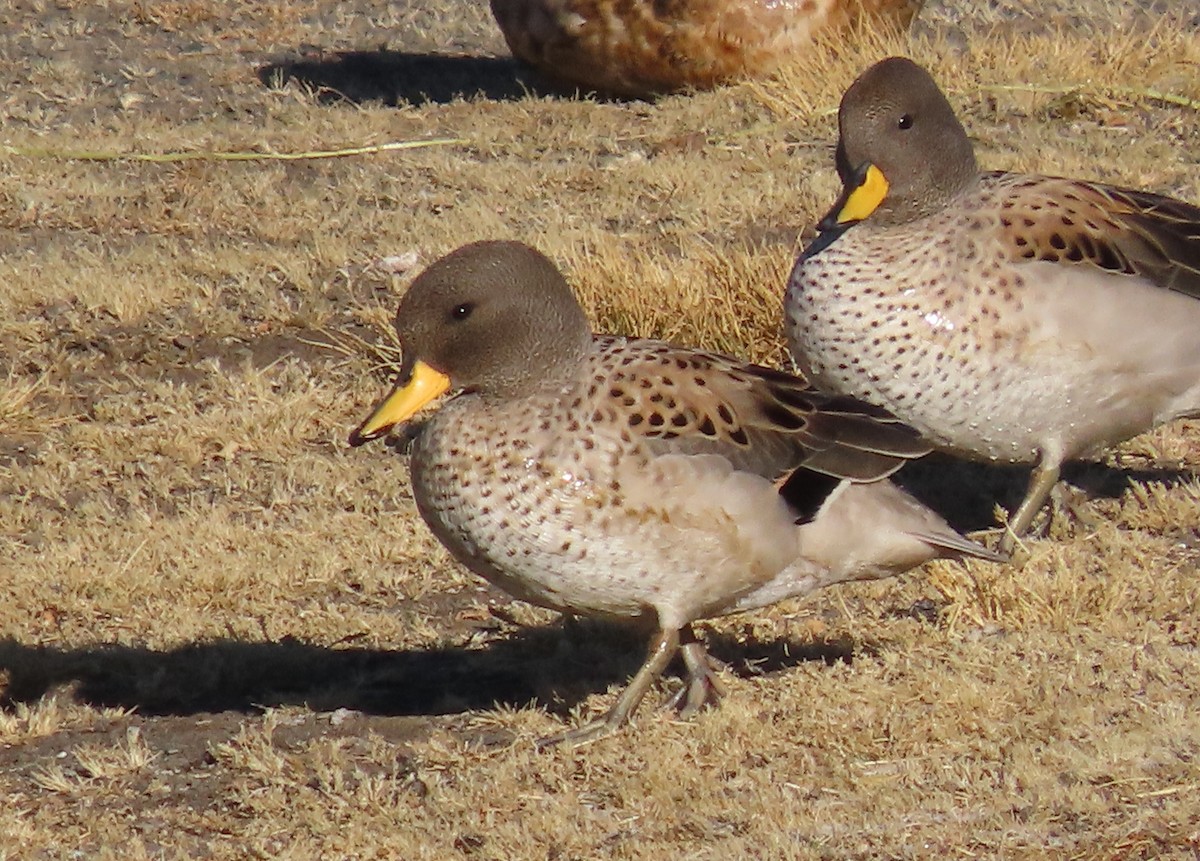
{"x": 422, "y": 386}
{"x": 859, "y": 201}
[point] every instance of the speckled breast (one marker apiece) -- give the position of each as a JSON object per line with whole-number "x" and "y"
{"x": 533, "y": 511}
{"x": 927, "y": 320}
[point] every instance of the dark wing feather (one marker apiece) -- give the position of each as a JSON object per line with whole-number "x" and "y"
{"x": 1163, "y": 237}
{"x": 762, "y": 420}
{"x": 1116, "y": 229}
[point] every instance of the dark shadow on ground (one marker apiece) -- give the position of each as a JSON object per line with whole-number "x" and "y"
{"x": 554, "y": 666}
{"x": 966, "y": 493}
{"x": 397, "y": 77}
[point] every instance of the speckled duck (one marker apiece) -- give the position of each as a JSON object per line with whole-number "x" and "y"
{"x": 632, "y": 478}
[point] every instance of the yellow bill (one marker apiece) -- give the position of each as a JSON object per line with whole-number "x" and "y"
{"x": 858, "y": 201}
{"x": 422, "y": 386}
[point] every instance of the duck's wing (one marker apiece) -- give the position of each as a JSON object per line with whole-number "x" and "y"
{"x": 764, "y": 421}
{"x": 1109, "y": 228}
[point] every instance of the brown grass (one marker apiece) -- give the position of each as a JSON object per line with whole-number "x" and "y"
{"x": 227, "y": 635}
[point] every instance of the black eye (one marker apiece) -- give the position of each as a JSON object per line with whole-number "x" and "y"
{"x": 463, "y": 311}
{"x": 905, "y": 123}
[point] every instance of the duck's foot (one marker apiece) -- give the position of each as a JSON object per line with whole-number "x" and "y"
{"x": 662, "y": 649}
{"x": 1067, "y": 511}
{"x": 1069, "y": 504}
{"x": 703, "y": 687}
{"x": 585, "y": 734}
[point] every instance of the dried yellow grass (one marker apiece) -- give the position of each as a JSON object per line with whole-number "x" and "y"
{"x": 225, "y": 634}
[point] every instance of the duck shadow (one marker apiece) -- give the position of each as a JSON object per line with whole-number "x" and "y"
{"x": 554, "y": 667}
{"x": 966, "y": 493}
{"x": 399, "y": 77}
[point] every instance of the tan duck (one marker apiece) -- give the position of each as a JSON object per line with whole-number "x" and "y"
{"x": 631, "y": 478}
{"x": 648, "y": 47}
{"x": 1007, "y": 317}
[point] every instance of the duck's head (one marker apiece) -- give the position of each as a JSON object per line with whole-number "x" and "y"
{"x": 494, "y": 318}
{"x": 902, "y": 153}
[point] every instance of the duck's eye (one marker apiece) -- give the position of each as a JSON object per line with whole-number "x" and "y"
{"x": 905, "y": 122}
{"x": 463, "y": 311}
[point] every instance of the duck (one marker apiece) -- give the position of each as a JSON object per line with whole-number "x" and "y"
{"x": 1010, "y": 318}
{"x": 645, "y": 48}
{"x": 633, "y": 479}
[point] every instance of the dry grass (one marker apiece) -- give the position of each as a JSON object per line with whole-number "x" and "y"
{"x": 227, "y": 635}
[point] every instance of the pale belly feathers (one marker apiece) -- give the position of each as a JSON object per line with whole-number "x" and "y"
{"x": 604, "y": 529}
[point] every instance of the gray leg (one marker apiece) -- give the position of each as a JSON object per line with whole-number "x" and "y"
{"x": 703, "y": 687}
{"x": 662, "y": 649}
{"x": 1041, "y": 482}
{"x": 1072, "y": 503}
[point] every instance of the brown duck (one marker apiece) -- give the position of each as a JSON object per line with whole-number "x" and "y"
{"x": 1007, "y": 317}
{"x": 647, "y": 47}
{"x": 632, "y": 478}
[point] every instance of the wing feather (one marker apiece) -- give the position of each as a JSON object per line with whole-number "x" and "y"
{"x": 762, "y": 420}
{"x": 1091, "y": 224}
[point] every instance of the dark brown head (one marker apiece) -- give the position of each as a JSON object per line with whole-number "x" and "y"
{"x": 902, "y": 153}
{"x": 495, "y": 318}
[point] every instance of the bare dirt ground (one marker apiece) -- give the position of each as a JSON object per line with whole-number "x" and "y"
{"x": 225, "y": 634}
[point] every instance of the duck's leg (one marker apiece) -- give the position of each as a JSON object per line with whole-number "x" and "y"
{"x": 1071, "y": 503}
{"x": 703, "y": 687}
{"x": 1041, "y": 482}
{"x": 662, "y": 649}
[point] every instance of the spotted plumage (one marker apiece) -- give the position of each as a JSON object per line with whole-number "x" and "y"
{"x": 633, "y": 478}
{"x": 1007, "y": 317}
{"x": 643, "y": 48}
